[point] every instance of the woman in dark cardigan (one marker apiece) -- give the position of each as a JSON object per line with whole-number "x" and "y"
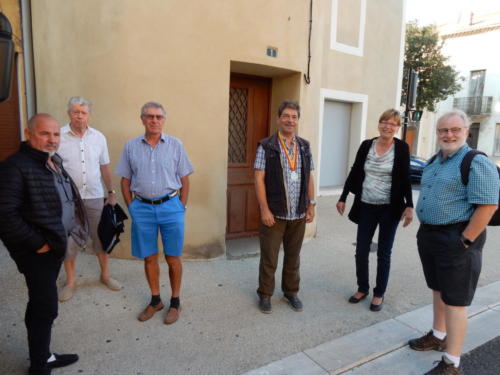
{"x": 380, "y": 182}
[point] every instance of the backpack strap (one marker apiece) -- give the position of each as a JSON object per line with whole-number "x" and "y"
{"x": 431, "y": 160}
{"x": 465, "y": 165}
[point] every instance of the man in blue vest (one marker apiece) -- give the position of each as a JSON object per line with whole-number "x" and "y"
{"x": 451, "y": 237}
{"x": 285, "y": 191}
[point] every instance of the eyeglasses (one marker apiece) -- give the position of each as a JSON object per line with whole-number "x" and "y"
{"x": 388, "y": 123}
{"x": 444, "y": 131}
{"x": 151, "y": 117}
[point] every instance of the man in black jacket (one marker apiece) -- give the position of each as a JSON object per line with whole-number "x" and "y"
{"x": 39, "y": 208}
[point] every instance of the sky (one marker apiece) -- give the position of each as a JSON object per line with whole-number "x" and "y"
{"x": 442, "y": 11}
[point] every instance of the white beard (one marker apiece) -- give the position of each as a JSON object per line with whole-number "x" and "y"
{"x": 450, "y": 147}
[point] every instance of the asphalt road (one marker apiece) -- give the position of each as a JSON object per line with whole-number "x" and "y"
{"x": 484, "y": 360}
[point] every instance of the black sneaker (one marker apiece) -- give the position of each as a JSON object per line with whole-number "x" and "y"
{"x": 294, "y": 302}
{"x": 62, "y": 360}
{"x": 265, "y": 305}
{"x": 445, "y": 367}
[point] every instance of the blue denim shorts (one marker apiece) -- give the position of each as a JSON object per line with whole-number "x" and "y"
{"x": 148, "y": 220}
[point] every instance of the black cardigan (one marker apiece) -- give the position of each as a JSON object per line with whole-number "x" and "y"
{"x": 401, "y": 195}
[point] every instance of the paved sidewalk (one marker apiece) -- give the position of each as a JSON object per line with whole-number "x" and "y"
{"x": 383, "y": 346}
{"x": 221, "y": 330}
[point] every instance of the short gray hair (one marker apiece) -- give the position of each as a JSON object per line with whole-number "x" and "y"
{"x": 152, "y": 105}
{"x": 454, "y": 113}
{"x": 78, "y": 100}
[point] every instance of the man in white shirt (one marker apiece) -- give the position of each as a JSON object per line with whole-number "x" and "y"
{"x": 85, "y": 157}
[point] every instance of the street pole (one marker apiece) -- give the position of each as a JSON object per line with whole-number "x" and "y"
{"x": 411, "y": 98}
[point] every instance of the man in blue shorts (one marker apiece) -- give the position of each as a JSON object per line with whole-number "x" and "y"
{"x": 155, "y": 186}
{"x": 451, "y": 237}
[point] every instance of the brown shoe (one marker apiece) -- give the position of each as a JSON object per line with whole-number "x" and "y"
{"x": 149, "y": 311}
{"x": 172, "y": 315}
{"x": 428, "y": 342}
{"x": 445, "y": 367}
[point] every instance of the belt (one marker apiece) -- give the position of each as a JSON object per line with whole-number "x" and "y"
{"x": 447, "y": 226}
{"x": 156, "y": 201}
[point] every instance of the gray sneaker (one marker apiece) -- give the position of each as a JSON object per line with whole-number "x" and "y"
{"x": 445, "y": 367}
{"x": 112, "y": 284}
{"x": 294, "y": 302}
{"x": 66, "y": 293}
{"x": 265, "y": 305}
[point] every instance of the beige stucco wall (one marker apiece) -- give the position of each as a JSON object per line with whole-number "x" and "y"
{"x": 348, "y": 21}
{"x": 122, "y": 53}
{"x": 376, "y": 72}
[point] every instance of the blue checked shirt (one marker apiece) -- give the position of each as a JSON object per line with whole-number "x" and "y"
{"x": 444, "y": 199}
{"x": 154, "y": 171}
{"x": 292, "y": 187}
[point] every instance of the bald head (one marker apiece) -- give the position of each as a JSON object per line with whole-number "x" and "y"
{"x": 39, "y": 118}
{"x": 42, "y": 133}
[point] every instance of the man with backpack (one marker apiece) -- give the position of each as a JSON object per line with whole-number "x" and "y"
{"x": 451, "y": 236}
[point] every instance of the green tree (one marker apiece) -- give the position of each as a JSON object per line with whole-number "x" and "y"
{"x": 436, "y": 79}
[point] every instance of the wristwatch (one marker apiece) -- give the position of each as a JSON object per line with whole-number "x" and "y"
{"x": 313, "y": 202}
{"x": 465, "y": 240}
{"x": 111, "y": 191}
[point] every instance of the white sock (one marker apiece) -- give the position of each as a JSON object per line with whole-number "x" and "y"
{"x": 438, "y": 334}
{"x": 52, "y": 358}
{"x": 452, "y": 358}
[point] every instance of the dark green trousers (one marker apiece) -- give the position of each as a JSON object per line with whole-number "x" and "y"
{"x": 291, "y": 233}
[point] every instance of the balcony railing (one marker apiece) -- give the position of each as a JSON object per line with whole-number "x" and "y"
{"x": 474, "y": 105}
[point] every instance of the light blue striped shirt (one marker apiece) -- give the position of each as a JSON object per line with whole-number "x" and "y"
{"x": 154, "y": 171}
{"x": 444, "y": 199}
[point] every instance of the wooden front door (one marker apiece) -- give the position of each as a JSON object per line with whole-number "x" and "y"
{"x": 249, "y": 99}
{"x": 10, "y": 133}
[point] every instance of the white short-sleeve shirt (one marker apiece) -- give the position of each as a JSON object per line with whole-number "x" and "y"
{"x": 82, "y": 159}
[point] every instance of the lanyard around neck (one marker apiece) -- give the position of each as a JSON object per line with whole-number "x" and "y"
{"x": 291, "y": 163}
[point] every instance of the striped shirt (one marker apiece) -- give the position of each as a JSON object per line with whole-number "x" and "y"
{"x": 154, "y": 171}
{"x": 292, "y": 187}
{"x": 444, "y": 199}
